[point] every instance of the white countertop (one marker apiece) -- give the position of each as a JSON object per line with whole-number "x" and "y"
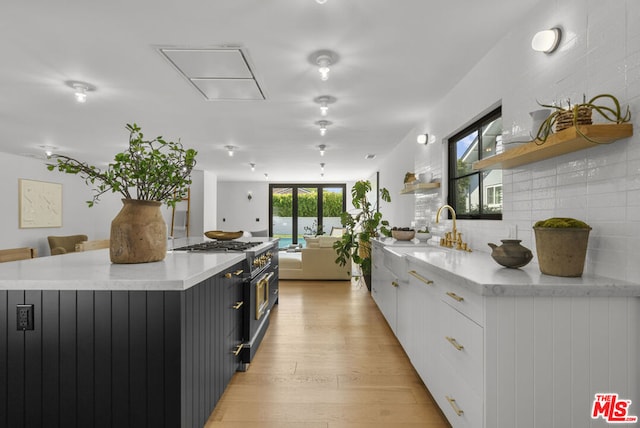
{"x": 92, "y": 270}
{"x": 478, "y": 272}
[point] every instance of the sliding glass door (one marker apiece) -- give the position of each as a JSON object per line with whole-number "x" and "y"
{"x": 296, "y": 210}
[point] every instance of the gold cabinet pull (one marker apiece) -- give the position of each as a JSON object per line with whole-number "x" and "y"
{"x": 454, "y": 405}
{"x": 420, "y": 277}
{"x": 454, "y": 296}
{"x": 455, "y": 343}
{"x": 238, "y": 305}
{"x": 238, "y": 272}
{"x": 395, "y": 284}
{"x": 238, "y": 349}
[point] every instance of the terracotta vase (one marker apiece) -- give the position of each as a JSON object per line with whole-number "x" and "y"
{"x": 511, "y": 254}
{"x": 138, "y": 233}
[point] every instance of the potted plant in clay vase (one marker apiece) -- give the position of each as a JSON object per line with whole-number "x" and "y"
{"x": 147, "y": 174}
{"x": 360, "y": 228}
{"x": 561, "y": 244}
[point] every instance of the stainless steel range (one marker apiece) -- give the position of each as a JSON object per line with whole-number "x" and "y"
{"x": 260, "y": 288}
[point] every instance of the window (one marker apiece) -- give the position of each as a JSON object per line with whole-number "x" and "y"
{"x": 476, "y": 194}
{"x": 296, "y": 210}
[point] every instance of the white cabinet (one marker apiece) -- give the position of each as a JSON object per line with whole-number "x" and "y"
{"x": 518, "y": 361}
{"x": 383, "y": 286}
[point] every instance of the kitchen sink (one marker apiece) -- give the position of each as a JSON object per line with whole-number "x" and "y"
{"x": 396, "y": 261}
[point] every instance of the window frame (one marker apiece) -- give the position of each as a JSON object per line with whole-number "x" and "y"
{"x": 452, "y": 164}
{"x": 294, "y": 188}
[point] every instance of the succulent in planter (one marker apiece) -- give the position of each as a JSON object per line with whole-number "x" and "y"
{"x": 360, "y": 228}
{"x": 154, "y": 171}
{"x": 580, "y": 114}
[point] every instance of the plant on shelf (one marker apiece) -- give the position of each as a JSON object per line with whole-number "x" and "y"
{"x": 360, "y": 227}
{"x": 157, "y": 170}
{"x": 580, "y": 114}
{"x": 154, "y": 171}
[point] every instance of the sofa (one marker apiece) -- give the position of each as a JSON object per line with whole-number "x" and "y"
{"x": 317, "y": 261}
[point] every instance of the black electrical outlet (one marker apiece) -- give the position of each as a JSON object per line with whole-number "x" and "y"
{"x": 25, "y": 317}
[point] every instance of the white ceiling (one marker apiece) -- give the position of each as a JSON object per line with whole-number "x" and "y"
{"x": 397, "y": 57}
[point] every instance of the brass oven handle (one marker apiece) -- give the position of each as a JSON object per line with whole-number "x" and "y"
{"x": 238, "y": 305}
{"x": 395, "y": 284}
{"x": 454, "y": 405}
{"x": 454, "y": 296}
{"x": 227, "y": 275}
{"x": 420, "y": 277}
{"x": 455, "y": 343}
{"x": 238, "y": 272}
{"x": 238, "y": 349}
{"x": 267, "y": 276}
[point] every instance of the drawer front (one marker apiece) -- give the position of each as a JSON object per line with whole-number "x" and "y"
{"x": 465, "y": 301}
{"x": 459, "y": 403}
{"x": 461, "y": 343}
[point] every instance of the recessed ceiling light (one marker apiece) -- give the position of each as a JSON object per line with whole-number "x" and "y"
{"x": 80, "y": 89}
{"x": 324, "y": 102}
{"x": 324, "y": 59}
{"x": 370, "y": 156}
{"x": 323, "y": 126}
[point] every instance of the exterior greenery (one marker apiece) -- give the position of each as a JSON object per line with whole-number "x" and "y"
{"x": 157, "y": 170}
{"x": 367, "y": 223}
{"x": 308, "y": 204}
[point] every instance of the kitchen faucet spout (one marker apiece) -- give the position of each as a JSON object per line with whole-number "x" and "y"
{"x": 453, "y": 216}
{"x": 454, "y": 237}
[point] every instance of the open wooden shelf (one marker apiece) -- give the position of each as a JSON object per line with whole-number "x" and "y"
{"x": 566, "y": 141}
{"x": 420, "y": 187}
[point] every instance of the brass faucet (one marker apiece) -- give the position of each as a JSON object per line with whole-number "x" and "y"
{"x": 454, "y": 237}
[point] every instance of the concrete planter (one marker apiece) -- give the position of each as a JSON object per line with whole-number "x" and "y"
{"x": 561, "y": 251}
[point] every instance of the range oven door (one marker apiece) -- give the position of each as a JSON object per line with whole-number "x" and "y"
{"x": 256, "y": 317}
{"x": 262, "y": 294}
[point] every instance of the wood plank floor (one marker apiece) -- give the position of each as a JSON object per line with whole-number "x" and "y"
{"x": 328, "y": 360}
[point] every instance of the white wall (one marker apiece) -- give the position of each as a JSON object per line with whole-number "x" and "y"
{"x": 77, "y": 217}
{"x": 237, "y": 212}
{"x": 599, "y": 53}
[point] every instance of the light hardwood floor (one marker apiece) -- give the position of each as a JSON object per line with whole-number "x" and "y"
{"x": 328, "y": 360}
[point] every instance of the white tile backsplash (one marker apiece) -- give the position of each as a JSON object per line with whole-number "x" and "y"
{"x": 599, "y": 53}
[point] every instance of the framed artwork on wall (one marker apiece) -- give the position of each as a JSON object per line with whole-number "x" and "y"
{"x": 39, "y": 204}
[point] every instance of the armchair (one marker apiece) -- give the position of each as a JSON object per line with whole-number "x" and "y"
{"x": 64, "y": 244}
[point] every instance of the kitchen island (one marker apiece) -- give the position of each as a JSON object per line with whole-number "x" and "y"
{"x": 106, "y": 345}
{"x": 500, "y": 347}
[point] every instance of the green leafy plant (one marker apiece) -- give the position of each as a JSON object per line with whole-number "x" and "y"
{"x": 361, "y": 227}
{"x": 156, "y": 170}
{"x": 612, "y": 114}
{"x": 314, "y": 229}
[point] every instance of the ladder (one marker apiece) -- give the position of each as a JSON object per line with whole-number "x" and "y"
{"x": 187, "y": 212}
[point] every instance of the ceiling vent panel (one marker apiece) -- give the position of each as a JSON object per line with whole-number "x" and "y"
{"x": 228, "y": 89}
{"x": 218, "y": 74}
